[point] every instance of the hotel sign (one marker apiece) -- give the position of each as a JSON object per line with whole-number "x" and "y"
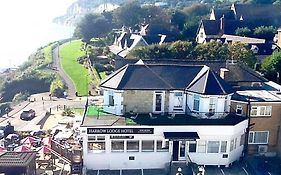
{"x": 120, "y": 130}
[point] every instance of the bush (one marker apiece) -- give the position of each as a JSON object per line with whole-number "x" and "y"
{"x": 19, "y": 97}
{"x": 4, "y": 108}
{"x": 67, "y": 112}
{"x": 57, "y": 88}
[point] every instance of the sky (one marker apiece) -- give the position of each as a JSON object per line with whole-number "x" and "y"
{"x": 25, "y": 24}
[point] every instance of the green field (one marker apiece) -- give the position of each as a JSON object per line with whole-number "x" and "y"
{"x": 77, "y": 72}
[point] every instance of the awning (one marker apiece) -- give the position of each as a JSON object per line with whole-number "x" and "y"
{"x": 181, "y": 135}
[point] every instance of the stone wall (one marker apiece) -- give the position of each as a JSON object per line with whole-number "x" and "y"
{"x": 137, "y": 101}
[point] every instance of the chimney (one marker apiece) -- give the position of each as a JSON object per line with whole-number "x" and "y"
{"x": 222, "y": 24}
{"x": 279, "y": 37}
{"x": 223, "y": 72}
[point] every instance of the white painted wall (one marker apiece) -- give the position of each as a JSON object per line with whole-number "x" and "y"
{"x": 201, "y": 38}
{"x": 110, "y": 160}
{"x": 172, "y": 103}
{"x": 117, "y": 109}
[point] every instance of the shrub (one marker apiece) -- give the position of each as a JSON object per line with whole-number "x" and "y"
{"x": 19, "y": 97}
{"x": 67, "y": 112}
{"x": 57, "y": 88}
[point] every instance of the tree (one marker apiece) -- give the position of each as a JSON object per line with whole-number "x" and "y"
{"x": 243, "y": 31}
{"x": 154, "y": 51}
{"x": 212, "y": 51}
{"x": 265, "y": 32}
{"x": 182, "y": 49}
{"x": 178, "y": 19}
{"x": 240, "y": 52}
{"x": 57, "y": 88}
{"x": 272, "y": 65}
{"x": 128, "y": 14}
{"x": 92, "y": 25}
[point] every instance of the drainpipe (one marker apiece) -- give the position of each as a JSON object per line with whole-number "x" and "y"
{"x": 248, "y": 115}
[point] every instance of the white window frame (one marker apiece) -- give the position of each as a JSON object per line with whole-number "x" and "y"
{"x": 212, "y": 105}
{"x": 239, "y": 107}
{"x": 253, "y": 133}
{"x": 196, "y": 98}
{"x": 201, "y": 146}
{"x": 111, "y": 95}
{"x": 178, "y": 97}
{"x": 97, "y": 140}
{"x": 162, "y": 93}
{"x": 224, "y": 146}
{"x": 257, "y": 111}
{"x": 217, "y": 148}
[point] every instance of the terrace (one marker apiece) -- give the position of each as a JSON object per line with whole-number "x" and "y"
{"x": 101, "y": 118}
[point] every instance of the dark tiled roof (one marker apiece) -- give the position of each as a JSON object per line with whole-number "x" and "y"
{"x": 227, "y": 13}
{"x": 211, "y": 27}
{"x": 199, "y": 79}
{"x": 16, "y": 159}
{"x": 237, "y": 72}
{"x": 257, "y": 11}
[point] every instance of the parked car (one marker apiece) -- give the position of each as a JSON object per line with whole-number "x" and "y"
{"x": 27, "y": 114}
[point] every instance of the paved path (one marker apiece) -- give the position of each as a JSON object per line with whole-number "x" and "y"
{"x": 57, "y": 65}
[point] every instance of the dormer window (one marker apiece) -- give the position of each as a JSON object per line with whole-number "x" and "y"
{"x": 196, "y": 102}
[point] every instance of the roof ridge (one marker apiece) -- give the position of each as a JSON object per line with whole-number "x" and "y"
{"x": 195, "y": 81}
{"x": 114, "y": 74}
{"x": 158, "y": 76}
{"x": 218, "y": 82}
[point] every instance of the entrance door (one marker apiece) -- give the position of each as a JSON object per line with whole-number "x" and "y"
{"x": 175, "y": 150}
{"x": 158, "y": 102}
{"x": 182, "y": 150}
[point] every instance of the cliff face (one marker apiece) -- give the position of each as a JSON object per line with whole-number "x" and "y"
{"x": 81, "y": 7}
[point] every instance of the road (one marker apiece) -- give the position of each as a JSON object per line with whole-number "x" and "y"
{"x": 57, "y": 65}
{"x": 41, "y": 107}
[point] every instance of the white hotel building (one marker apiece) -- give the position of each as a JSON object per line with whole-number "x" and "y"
{"x": 162, "y": 114}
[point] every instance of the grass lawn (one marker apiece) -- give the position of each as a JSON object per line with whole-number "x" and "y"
{"x": 48, "y": 53}
{"x": 95, "y": 111}
{"x": 77, "y": 72}
{"x": 102, "y": 75}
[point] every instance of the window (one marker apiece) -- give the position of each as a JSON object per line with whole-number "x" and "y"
{"x": 235, "y": 143}
{"x": 96, "y": 146}
{"x": 147, "y": 146}
{"x": 213, "y": 146}
{"x": 254, "y": 111}
{"x": 162, "y": 147}
{"x": 261, "y": 111}
{"x": 232, "y": 145}
{"x": 192, "y": 147}
{"x": 110, "y": 99}
{"x": 133, "y": 146}
{"x": 196, "y": 102}
{"x": 239, "y": 109}
{"x": 212, "y": 105}
{"x": 226, "y": 105}
{"x": 201, "y": 146}
{"x": 201, "y": 34}
{"x": 242, "y": 139}
{"x": 223, "y": 146}
{"x": 178, "y": 100}
{"x": 117, "y": 146}
{"x": 258, "y": 137}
